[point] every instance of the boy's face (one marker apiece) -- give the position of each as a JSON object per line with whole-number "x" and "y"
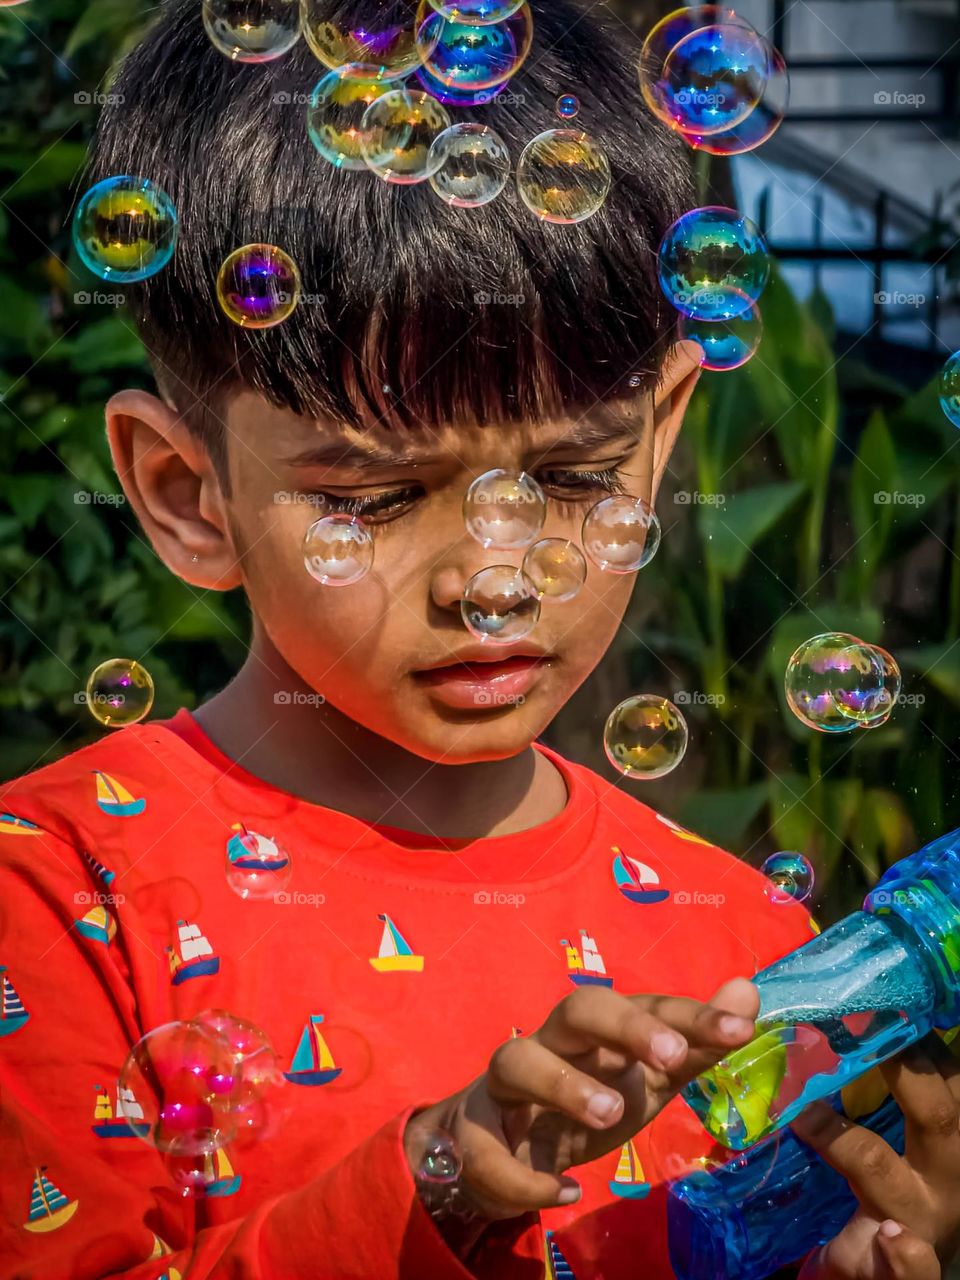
{"x": 391, "y": 651}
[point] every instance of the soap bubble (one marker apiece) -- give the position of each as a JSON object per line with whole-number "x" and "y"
{"x": 193, "y": 1175}
{"x": 125, "y": 229}
{"x": 713, "y": 78}
{"x": 175, "y": 1086}
{"x": 258, "y": 286}
{"x": 950, "y": 389}
{"x": 836, "y": 683}
{"x": 397, "y": 134}
{"x": 789, "y": 877}
{"x": 556, "y": 567}
{"x": 500, "y": 604}
{"x": 252, "y": 30}
{"x": 258, "y": 866}
{"x": 476, "y": 11}
{"x": 563, "y": 176}
{"x": 645, "y": 736}
{"x": 473, "y": 167}
{"x": 666, "y": 35}
{"x": 621, "y": 534}
{"x": 760, "y": 125}
{"x": 727, "y": 344}
{"x": 336, "y": 109}
{"x": 713, "y": 263}
{"x": 472, "y": 56}
{"x": 504, "y": 509}
{"x": 440, "y": 1162}
{"x": 381, "y": 32}
{"x": 568, "y": 106}
{"x": 338, "y": 550}
{"x": 119, "y": 692}
{"x": 259, "y": 1101}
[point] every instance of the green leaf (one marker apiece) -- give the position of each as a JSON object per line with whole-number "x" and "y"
{"x": 723, "y": 816}
{"x": 731, "y": 531}
{"x": 873, "y": 487}
{"x": 29, "y": 495}
{"x": 937, "y": 663}
{"x": 111, "y": 343}
{"x": 48, "y": 168}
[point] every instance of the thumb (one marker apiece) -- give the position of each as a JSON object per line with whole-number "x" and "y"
{"x": 737, "y": 996}
{"x": 906, "y": 1256}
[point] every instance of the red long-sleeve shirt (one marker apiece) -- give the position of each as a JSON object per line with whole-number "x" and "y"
{"x": 116, "y": 916}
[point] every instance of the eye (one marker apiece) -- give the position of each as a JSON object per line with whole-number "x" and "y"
{"x": 374, "y": 508}
{"x": 567, "y": 485}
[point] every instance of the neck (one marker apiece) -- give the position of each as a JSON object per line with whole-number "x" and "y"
{"x": 313, "y": 751}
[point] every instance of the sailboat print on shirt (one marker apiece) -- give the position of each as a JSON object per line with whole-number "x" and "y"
{"x": 313, "y": 1062}
{"x": 192, "y": 957}
{"x": 103, "y": 874}
{"x": 250, "y": 851}
{"x": 635, "y": 880}
{"x": 556, "y": 1267}
{"x": 160, "y": 1250}
{"x": 628, "y": 1182}
{"x": 396, "y": 954}
{"x": 223, "y": 1180}
{"x": 114, "y": 798}
{"x": 124, "y": 1121}
{"x": 49, "y": 1207}
{"x": 587, "y": 969}
{"x": 98, "y": 925}
{"x": 11, "y": 825}
{"x": 12, "y": 1013}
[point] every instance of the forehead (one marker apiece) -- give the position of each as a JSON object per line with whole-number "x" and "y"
{"x": 278, "y": 434}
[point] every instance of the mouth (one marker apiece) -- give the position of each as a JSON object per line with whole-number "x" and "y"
{"x": 473, "y": 683}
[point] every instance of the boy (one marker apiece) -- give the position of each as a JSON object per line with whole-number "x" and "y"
{"x": 426, "y": 972}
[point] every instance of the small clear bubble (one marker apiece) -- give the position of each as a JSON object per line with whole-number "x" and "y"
{"x": 645, "y": 736}
{"x": 258, "y": 867}
{"x": 473, "y": 168}
{"x": 397, "y": 133}
{"x": 790, "y": 877}
{"x": 336, "y": 109}
{"x": 568, "y": 106}
{"x": 252, "y": 30}
{"x": 713, "y": 263}
{"x": 504, "y": 509}
{"x": 381, "y": 32}
{"x": 125, "y": 229}
{"x": 621, "y": 534}
{"x": 440, "y": 1161}
{"x": 119, "y": 692}
{"x": 557, "y": 568}
{"x": 470, "y": 56}
{"x": 338, "y": 550}
{"x": 500, "y": 605}
{"x": 563, "y": 176}
{"x": 726, "y": 344}
{"x": 258, "y": 286}
{"x": 836, "y": 683}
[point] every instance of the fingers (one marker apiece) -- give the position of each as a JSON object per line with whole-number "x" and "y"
{"x": 905, "y": 1255}
{"x": 882, "y": 1182}
{"x": 499, "y": 1183}
{"x": 931, "y": 1110}
{"x": 524, "y": 1070}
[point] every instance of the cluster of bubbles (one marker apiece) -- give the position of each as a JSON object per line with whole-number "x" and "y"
{"x": 119, "y": 692}
{"x": 189, "y": 1088}
{"x": 715, "y": 80}
{"x": 950, "y": 389}
{"x": 645, "y": 736}
{"x": 789, "y": 876}
{"x": 836, "y": 683}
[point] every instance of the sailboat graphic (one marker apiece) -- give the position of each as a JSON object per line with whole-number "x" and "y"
{"x": 681, "y": 832}
{"x": 313, "y": 1062}
{"x": 223, "y": 1180}
{"x": 98, "y": 924}
{"x": 250, "y": 851}
{"x": 124, "y": 1121}
{"x": 628, "y": 1182}
{"x": 635, "y": 880}
{"x": 555, "y": 1264}
{"x": 11, "y": 825}
{"x": 103, "y": 874}
{"x": 586, "y": 970}
{"x": 49, "y": 1207}
{"x": 160, "y": 1250}
{"x": 395, "y": 955}
{"x": 12, "y": 1013}
{"x": 193, "y": 956}
{"x": 115, "y": 799}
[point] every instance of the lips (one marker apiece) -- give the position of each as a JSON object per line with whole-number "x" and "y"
{"x": 477, "y": 684}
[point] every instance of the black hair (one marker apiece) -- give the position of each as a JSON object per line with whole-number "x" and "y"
{"x": 402, "y": 331}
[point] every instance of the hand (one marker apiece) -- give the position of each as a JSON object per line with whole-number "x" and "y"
{"x": 918, "y": 1192}
{"x": 598, "y": 1070}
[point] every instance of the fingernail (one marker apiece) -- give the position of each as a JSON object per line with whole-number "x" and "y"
{"x": 667, "y": 1046}
{"x": 602, "y": 1107}
{"x": 890, "y": 1228}
{"x": 569, "y": 1195}
{"x": 731, "y": 1025}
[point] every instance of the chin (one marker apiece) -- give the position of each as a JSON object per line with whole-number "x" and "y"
{"x": 451, "y": 737}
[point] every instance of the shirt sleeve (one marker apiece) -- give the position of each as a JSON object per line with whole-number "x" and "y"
{"x": 76, "y": 1207}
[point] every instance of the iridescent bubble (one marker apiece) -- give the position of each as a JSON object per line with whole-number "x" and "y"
{"x": 440, "y": 1162}
{"x": 950, "y": 389}
{"x": 568, "y": 106}
{"x": 476, "y": 11}
{"x": 258, "y": 867}
{"x": 471, "y": 55}
{"x": 762, "y": 122}
{"x": 455, "y": 97}
{"x": 645, "y": 736}
{"x": 789, "y": 877}
{"x": 258, "y": 286}
{"x": 252, "y": 30}
{"x": 338, "y": 550}
{"x": 726, "y": 344}
{"x": 664, "y": 37}
{"x": 563, "y": 176}
{"x": 125, "y": 229}
{"x": 500, "y": 604}
{"x": 713, "y": 263}
{"x": 473, "y": 168}
{"x": 336, "y": 109}
{"x": 193, "y": 1175}
{"x": 381, "y": 32}
{"x": 713, "y": 78}
{"x": 119, "y": 692}
{"x": 557, "y": 569}
{"x": 258, "y": 1095}
{"x": 397, "y": 133}
{"x": 173, "y": 1092}
{"x": 504, "y": 509}
{"x": 621, "y": 534}
{"x": 836, "y": 683}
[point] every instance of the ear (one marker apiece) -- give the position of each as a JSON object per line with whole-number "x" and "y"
{"x": 171, "y": 483}
{"x": 679, "y": 376}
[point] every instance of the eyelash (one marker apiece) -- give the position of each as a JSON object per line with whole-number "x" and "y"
{"x": 585, "y": 483}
